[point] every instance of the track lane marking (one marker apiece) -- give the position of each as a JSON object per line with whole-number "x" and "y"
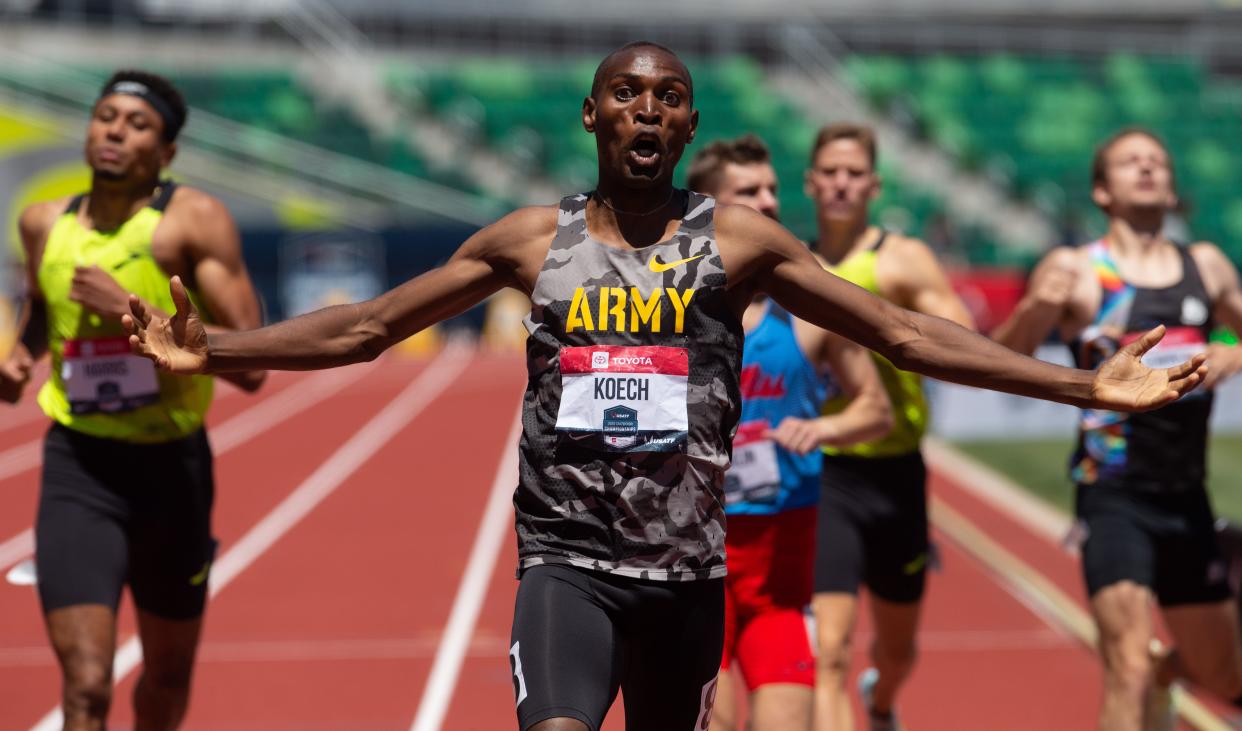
{"x": 472, "y": 591}
{"x": 266, "y": 413}
{"x": 428, "y": 385}
{"x": 1045, "y": 598}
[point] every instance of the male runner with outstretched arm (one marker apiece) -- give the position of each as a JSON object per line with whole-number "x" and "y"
{"x": 873, "y": 505}
{"x": 1141, "y": 494}
{"x": 127, "y": 487}
{"x": 633, "y": 395}
{"x": 788, "y": 369}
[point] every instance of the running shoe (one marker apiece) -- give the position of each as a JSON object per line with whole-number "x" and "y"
{"x": 866, "y": 690}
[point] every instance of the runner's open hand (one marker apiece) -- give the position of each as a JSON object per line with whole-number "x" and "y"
{"x": 1123, "y": 383}
{"x": 177, "y": 345}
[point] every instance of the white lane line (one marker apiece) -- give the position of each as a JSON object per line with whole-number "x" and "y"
{"x": 363, "y": 445}
{"x": 1044, "y": 598}
{"x": 23, "y": 457}
{"x": 27, "y": 456}
{"x": 473, "y": 589}
{"x": 997, "y": 490}
{"x": 234, "y": 432}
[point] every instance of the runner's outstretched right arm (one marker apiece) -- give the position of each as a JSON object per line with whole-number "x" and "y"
{"x": 336, "y": 336}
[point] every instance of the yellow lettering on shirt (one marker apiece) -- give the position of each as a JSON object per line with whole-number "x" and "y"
{"x": 681, "y": 300}
{"x": 646, "y": 312}
{"x": 579, "y": 312}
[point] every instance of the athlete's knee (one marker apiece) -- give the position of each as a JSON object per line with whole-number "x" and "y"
{"x": 894, "y": 657}
{"x": 559, "y": 724}
{"x": 1127, "y": 669}
{"x": 167, "y": 680}
{"x": 87, "y": 687}
{"x": 894, "y": 651}
{"x": 832, "y": 657}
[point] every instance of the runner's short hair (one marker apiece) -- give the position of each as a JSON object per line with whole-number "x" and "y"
{"x": 859, "y": 133}
{"x": 708, "y": 165}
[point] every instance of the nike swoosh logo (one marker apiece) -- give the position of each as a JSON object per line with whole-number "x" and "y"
{"x": 132, "y": 258}
{"x": 201, "y": 576}
{"x": 916, "y": 565}
{"x": 659, "y": 267}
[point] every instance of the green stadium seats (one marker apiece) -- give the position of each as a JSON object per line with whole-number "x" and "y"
{"x": 1034, "y": 122}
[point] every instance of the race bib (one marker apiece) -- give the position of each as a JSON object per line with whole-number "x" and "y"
{"x": 624, "y": 399}
{"x": 102, "y": 375}
{"x": 755, "y": 475}
{"x": 1179, "y": 345}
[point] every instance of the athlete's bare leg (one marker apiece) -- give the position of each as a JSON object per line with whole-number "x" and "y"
{"x": 84, "y": 638}
{"x": 780, "y": 707}
{"x": 560, "y": 724}
{"x": 1207, "y": 650}
{"x": 1123, "y": 614}
{"x": 163, "y": 690}
{"x": 724, "y": 711}
{"x": 894, "y": 649}
{"x": 835, "y": 615}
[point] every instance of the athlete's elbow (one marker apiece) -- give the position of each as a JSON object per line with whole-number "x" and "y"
{"x": 368, "y": 339}
{"x": 916, "y": 353}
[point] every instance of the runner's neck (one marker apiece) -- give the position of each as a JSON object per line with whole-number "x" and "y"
{"x": 613, "y": 222}
{"x": 1126, "y": 240}
{"x": 112, "y": 202}
{"x": 838, "y": 242}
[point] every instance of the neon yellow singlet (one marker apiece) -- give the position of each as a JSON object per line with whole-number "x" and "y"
{"x": 905, "y": 389}
{"x": 96, "y": 386}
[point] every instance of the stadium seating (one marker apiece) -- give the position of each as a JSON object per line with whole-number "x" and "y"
{"x": 1033, "y": 123}
{"x": 531, "y": 110}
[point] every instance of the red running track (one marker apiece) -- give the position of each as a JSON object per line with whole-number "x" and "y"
{"x": 337, "y": 624}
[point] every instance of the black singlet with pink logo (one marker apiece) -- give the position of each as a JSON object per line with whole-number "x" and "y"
{"x": 1156, "y": 451}
{"x": 632, "y": 401}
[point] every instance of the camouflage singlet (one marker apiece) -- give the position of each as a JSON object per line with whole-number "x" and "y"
{"x": 632, "y": 401}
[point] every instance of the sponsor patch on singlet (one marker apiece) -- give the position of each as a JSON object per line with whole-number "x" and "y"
{"x": 1179, "y": 345}
{"x": 624, "y": 399}
{"x": 755, "y": 475}
{"x": 102, "y": 375}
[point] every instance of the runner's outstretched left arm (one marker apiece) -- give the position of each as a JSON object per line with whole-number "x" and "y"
{"x": 782, "y": 266}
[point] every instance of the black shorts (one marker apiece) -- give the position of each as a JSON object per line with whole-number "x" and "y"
{"x": 113, "y": 512}
{"x": 1164, "y": 541}
{"x": 579, "y": 635}
{"x": 873, "y": 527}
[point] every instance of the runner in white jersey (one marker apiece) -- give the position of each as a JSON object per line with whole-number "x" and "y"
{"x": 619, "y": 500}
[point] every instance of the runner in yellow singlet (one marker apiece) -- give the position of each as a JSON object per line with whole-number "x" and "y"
{"x": 127, "y": 484}
{"x": 873, "y": 503}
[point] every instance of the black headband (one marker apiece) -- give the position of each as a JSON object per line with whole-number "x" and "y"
{"x": 172, "y": 119}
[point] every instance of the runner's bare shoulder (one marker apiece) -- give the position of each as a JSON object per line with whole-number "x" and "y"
{"x": 35, "y": 223}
